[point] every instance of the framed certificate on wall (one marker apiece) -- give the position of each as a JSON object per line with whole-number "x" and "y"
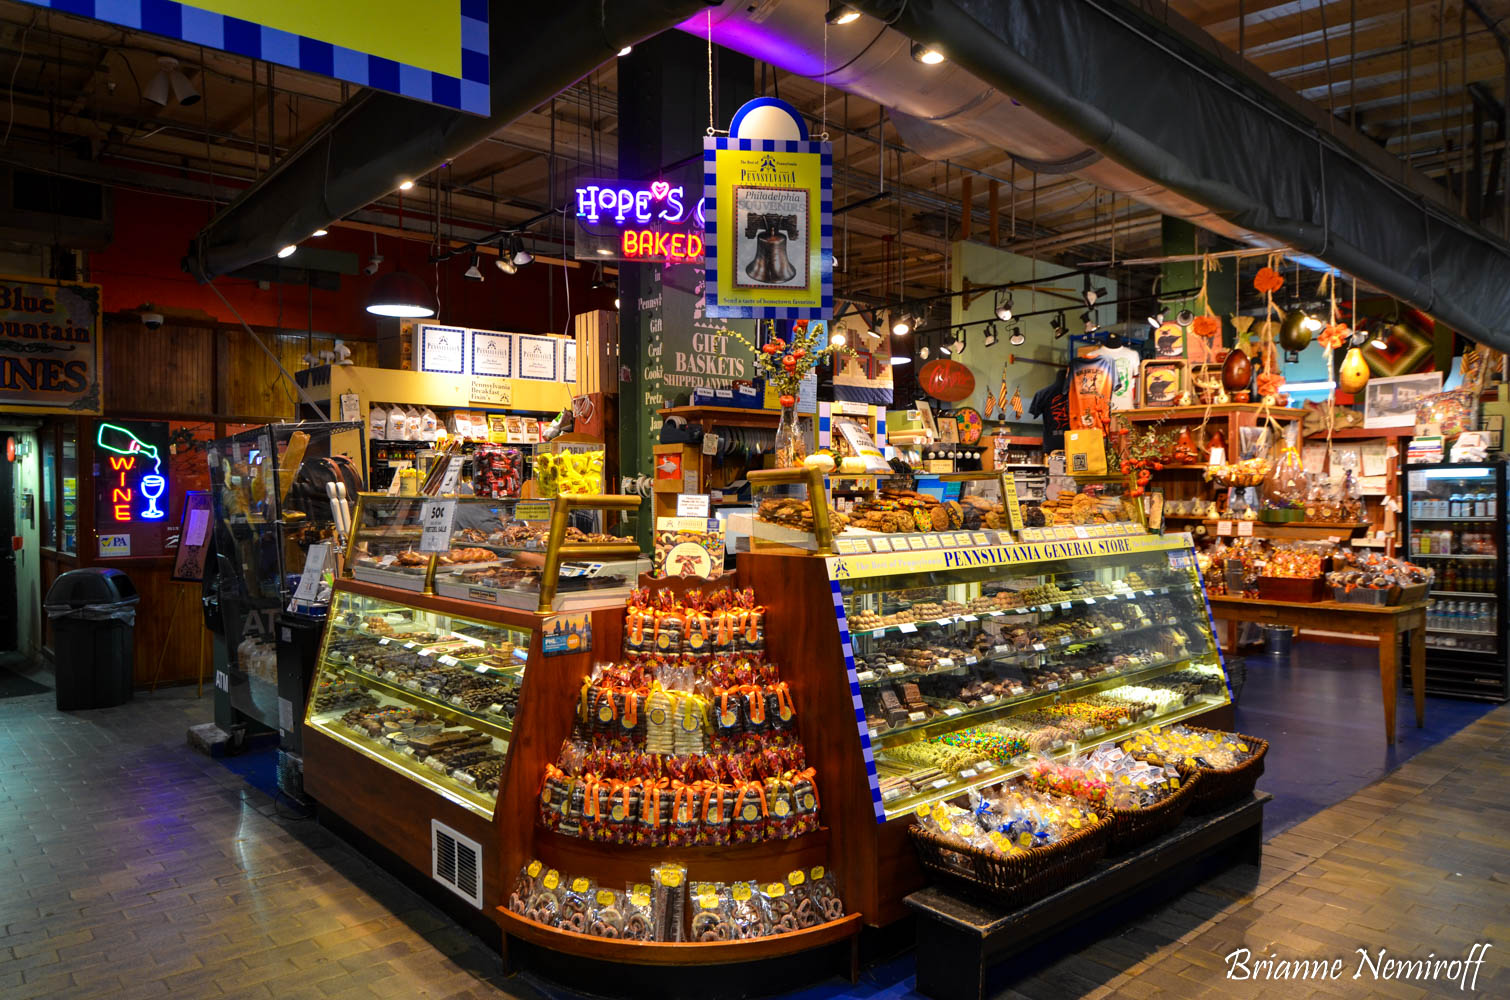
{"x": 538, "y": 358}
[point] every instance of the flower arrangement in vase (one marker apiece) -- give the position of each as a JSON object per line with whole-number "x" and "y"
{"x": 785, "y": 362}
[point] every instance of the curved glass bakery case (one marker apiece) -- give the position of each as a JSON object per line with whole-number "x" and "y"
{"x": 966, "y": 661}
{"x": 532, "y": 555}
{"x": 427, "y": 694}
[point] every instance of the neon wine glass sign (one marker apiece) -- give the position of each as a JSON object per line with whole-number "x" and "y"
{"x": 653, "y": 220}
{"x": 125, "y": 448}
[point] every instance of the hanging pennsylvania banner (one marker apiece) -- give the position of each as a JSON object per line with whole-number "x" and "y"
{"x": 769, "y": 209}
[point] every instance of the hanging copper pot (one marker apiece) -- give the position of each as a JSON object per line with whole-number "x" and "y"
{"x": 1295, "y": 333}
{"x": 1353, "y": 375}
{"x": 1237, "y": 371}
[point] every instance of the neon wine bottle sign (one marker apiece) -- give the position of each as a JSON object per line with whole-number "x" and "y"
{"x": 618, "y": 220}
{"x": 126, "y": 451}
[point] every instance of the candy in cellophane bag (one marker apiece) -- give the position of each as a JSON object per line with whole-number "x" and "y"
{"x": 639, "y": 921}
{"x": 719, "y": 801}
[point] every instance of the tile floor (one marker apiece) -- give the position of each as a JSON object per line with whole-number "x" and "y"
{"x": 132, "y": 866}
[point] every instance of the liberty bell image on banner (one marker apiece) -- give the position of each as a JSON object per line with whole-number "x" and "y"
{"x": 771, "y": 265}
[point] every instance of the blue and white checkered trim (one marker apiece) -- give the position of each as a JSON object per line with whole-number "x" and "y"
{"x": 825, "y": 424}
{"x": 468, "y": 92}
{"x": 847, "y": 644}
{"x": 711, "y": 146}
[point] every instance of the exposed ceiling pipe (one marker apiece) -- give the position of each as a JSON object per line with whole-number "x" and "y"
{"x": 376, "y": 140}
{"x": 1148, "y": 111}
{"x": 941, "y": 111}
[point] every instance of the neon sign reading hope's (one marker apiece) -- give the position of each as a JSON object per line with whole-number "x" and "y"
{"x": 644, "y": 222}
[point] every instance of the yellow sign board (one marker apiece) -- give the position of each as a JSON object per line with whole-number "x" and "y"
{"x": 436, "y": 52}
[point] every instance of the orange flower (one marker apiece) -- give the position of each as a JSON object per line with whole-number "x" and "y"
{"x": 1333, "y": 336}
{"x": 1206, "y": 326}
{"x": 1268, "y": 280}
{"x": 1269, "y": 383}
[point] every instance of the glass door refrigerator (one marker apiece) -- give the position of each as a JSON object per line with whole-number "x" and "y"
{"x": 1455, "y": 524}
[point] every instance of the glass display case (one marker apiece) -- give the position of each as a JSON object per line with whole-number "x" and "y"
{"x": 968, "y": 659}
{"x": 430, "y": 695}
{"x": 267, "y": 486}
{"x": 1455, "y": 523}
{"x": 545, "y": 555}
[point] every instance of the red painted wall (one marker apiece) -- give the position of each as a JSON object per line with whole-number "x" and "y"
{"x": 152, "y": 233}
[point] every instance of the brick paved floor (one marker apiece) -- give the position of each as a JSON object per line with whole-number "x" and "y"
{"x": 132, "y": 867}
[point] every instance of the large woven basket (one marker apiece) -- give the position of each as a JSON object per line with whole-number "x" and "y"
{"x": 1219, "y": 786}
{"x": 1018, "y": 880}
{"x": 1131, "y": 827}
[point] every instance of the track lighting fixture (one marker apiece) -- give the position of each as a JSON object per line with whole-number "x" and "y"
{"x": 957, "y": 345}
{"x": 1089, "y": 319}
{"x": 990, "y": 338}
{"x": 320, "y": 232}
{"x": 901, "y": 324}
{"x": 406, "y": 185}
{"x": 926, "y": 54}
{"x": 625, "y": 51}
{"x": 287, "y": 252}
{"x": 841, "y": 13}
{"x": 474, "y": 273}
{"x": 900, "y": 359}
{"x": 837, "y": 338}
{"x": 506, "y": 263}
{"x": 1059, "y": 325}
{"x": 924, "y": 352}
{"x": 170, "y": 81}
{"x": 517, "y": 252}
{"x": 1017, "y": 339}
{"x": 1157, "y": 319}
{"x": 1004, "y": 306}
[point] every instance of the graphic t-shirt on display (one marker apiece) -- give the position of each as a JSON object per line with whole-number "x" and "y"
{"x": 1125, "y": 362}
{"x": 1052, "y": 403}
{"x": 1091, "y": 381}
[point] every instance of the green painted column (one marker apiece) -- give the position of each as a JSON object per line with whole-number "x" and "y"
{"x": 665, "y": 343}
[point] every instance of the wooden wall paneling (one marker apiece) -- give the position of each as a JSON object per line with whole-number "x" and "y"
{"x": 253, "y": 383}
{"x": 166, "y": 371}
{"x": 174, "y": 637}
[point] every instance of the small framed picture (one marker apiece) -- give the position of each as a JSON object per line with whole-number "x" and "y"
{"x": 1162, "y": 382}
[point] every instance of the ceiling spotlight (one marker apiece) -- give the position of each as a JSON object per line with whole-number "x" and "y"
{"x": 837, "y": 339}
{"x": 625, "y": 51}
{"x": 170, "y": 80}
{"x": 990, "y": 337}
{"x": 287, "y": 252}
{"x": 406, "y": 185}
{"x": 901, "y": 324}
{"x": 520, "y": 255}
{"x": 841, "y": 13}
{"x": 1379, "y": 342}
{"x": 1089, "y": 319}
{"x": 900, "y": 359}
{"x": 1184, "y": 318}
{"x": 926, "y": 54}
{"x": 506, "y": 263}
{"x": 320, "y": 232}
{"x": 1017, "y": 339}
{"x": 474, "y": 273}
{"x": 1059, "y": 325}
{"x": 1004, "y": 306}
{"x": 957, "y": 345}
{"x": 1311, "y": 324}
{"x": 400, "y": 294}
{"x": 1157, "y": 319}
{"x": 924, "y": 351}
{"x": 616, "y": 302}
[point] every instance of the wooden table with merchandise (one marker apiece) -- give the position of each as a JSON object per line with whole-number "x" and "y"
{"x": 1385, "y": 622}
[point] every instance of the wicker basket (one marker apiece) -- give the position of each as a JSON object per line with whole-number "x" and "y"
{"x": 1018, "y": 880}
{"x": 1131, "y": 827}
{"x": 1219, "y": 786}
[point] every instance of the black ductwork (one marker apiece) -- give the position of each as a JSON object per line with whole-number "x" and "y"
{"x": 1151, "y": 100}
{"x": 376, "y": 139}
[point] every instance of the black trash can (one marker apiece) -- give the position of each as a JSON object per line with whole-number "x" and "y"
{"x": 93, "y": 615}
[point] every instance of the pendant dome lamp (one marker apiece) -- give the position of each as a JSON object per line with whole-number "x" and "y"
{"x": 398, "y": 293}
